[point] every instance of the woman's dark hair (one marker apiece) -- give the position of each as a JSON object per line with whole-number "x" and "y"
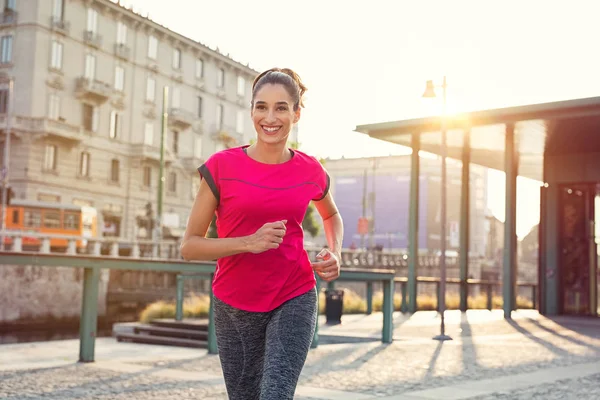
{"x": 281, "y": 76}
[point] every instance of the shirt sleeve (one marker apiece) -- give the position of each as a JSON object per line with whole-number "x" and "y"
{"x": 209, "y": 171}
{"x": 324, "y": 182}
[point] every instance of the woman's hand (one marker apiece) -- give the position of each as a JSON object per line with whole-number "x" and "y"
{"x": 329, "y": 268}
{"x": 267, "y": 237}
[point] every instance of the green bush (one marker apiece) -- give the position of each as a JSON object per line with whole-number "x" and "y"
{"x": 196, "y": 306}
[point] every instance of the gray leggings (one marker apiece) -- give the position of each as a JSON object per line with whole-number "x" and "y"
{"x": 262, "y": 353}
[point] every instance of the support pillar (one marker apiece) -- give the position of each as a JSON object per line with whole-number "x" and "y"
{"x": 89, "y": 314}
{"x": 465, "y": 220}
{"x": 510, "y": 223}
{"x": 413, "y": 224}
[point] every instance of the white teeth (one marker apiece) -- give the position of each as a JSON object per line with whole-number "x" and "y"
{"x": 270, "y": 129}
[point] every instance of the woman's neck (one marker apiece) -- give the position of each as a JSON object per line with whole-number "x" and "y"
{"x": 269, "y": 154}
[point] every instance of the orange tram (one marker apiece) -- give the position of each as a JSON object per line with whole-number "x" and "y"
{"x": 29, "y": 216}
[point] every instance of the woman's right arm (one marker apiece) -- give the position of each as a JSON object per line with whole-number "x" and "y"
{"x": 195, "y": 246}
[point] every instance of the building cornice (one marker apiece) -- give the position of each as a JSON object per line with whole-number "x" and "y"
{"x": 137, "y": 21}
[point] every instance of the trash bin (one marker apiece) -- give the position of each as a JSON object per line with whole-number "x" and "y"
{"x": 334, "y": 304}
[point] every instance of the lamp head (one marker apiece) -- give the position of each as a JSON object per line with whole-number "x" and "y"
{"x": 429, "y": 90}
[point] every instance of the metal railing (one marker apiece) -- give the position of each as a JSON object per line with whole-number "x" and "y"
{"x": 92, "y": 266}
{"x": 95, "y": 246}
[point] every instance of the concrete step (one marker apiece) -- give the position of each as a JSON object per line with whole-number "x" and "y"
{"x": 190, "y": 323}
{"x": 170, "y": 332}
{"x": 162, "y": 340}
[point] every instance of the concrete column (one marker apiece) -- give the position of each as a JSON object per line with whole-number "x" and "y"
{"x": 510, "y": 222}
{"x": 464, "y": 219}
{"x": 413, "y": 224}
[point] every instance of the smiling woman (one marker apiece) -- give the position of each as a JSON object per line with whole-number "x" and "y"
{"x": 264, "y": 285}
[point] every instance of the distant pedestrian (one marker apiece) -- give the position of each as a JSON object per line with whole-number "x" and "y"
{"x": 264, "y": 286}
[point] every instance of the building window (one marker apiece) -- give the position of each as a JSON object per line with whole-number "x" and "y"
{"x": 50, "y": 157}
{"x": 176, "y": 58}
{"x": 119, "y": 78}
{"x": 172, "y": 182}
{"x": 71, "y": 221}
{"x": 220, "y": 77}
{"x": 149, "y": 134}
{"x": 58, "y": 10}
{"x": 4, "y": 102}
{"x": 54, "y": 107}
{"x": 239, "y": 126}
{"x": 57, "y": 55}
{"x": 121, "y": 33}
{"x": 220, "y": 113}
{"x": 198, "y": 147}
{"x": 199, "y": 107}
{"x": 176, "y": 98}
{"x": 32, "y": 218}
{"x": 51, "y": 219}
{"x": 150, "y": 89}
{"x": 115, "y": 125}
{"x": 84, "y": 164}
{"x": 241, "y": 86}
{"x": 147, "y": 176}
{"x": 114, "y": 171}
{"x": 152, "y": 47}
{"x": 199, "y": 69}
{"x": 92, "y": 20}
{"x": 175, "y": 142}
{"x": 11, "y": 5}
{"x": 6, "y": 49}
{"x": 90, "y": 118}
{"x": 90, "y": 67}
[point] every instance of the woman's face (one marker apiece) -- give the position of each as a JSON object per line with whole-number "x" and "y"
{"x": 273, "y": 114}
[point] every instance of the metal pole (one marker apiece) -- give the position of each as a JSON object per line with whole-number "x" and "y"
{"x": 364, "y": 207}
{"x": 373, "y": 206}
{"x": 442, "y": 305}
{"x": 161, "y": 170}
{"x": 6, "y": 161}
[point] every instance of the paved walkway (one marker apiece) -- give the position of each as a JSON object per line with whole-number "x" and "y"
{"x": 531, "y": 357}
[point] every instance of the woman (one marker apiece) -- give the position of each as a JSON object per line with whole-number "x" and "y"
{"x": 265, "y": 298}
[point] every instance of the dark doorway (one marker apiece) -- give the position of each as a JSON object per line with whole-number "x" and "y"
{"x": 579, "y": 218}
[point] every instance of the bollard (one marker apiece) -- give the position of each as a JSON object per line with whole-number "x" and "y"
{"x": 114, "y": 249}
{"x": 17, "y": 244}
{"x": 45, "y": 248}
{"x": 71, "y": 248}
{"x": 96, "y": 248}
{"x": 135, "y": 251}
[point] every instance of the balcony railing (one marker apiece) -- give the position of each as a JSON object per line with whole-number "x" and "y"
{"x": 146, "y": 152}
{"x": 92, "y": 39}
{"x": 227, "y": 135}
{"x": 122, "y": 51}
{"x": 58, "y": 129}
{"x": 180, "y": 118}
{"x": 59, "y": 25}
{"x": 8, "y": 18}
{"x": 92, "y": 89}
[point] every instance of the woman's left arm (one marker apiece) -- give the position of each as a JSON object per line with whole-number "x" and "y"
{"x": 329, "y": 268}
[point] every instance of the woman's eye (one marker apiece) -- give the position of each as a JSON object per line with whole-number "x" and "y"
{"x": 282, "y": 109}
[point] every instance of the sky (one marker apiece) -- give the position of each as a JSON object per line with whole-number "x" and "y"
{"x": 367, "y": 62}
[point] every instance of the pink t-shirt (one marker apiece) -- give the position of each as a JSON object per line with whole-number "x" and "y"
{"x": 250, "y": 194}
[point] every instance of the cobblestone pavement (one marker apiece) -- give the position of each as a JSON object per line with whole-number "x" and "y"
{"x": 531, "y": 357}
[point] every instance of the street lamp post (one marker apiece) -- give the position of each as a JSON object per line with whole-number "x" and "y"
{"x": 6, "y": 163}
{"x": 430, "y": 93}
